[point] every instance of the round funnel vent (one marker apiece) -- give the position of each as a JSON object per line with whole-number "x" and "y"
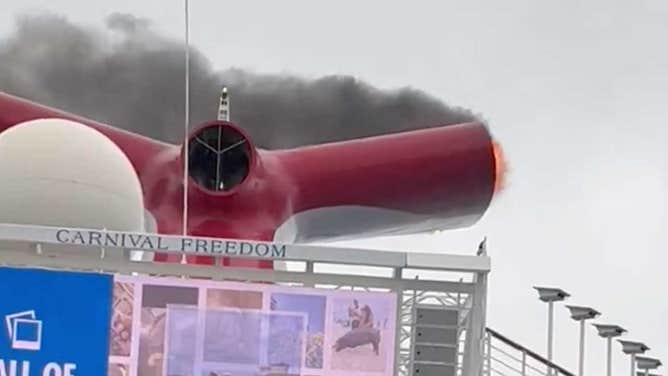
{"x": 219, "y": 157}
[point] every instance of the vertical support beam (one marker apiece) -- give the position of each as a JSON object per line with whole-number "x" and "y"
{"x": 609, "y": 360}
{"x": 473, "y": 359}
{"x": 633, "y": 365}
{"x": 396, "y": 274}
{"x": 489, "y": 354}
{"x": 550, "y": 331}
{"x": 309, "y": 270}
{"x": 524, "y": 363}
{"x": 413, "y": 308}
{"x": 582, "y": 349}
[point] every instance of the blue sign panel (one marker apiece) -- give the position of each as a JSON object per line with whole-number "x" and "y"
{"x": 54, "y": 323}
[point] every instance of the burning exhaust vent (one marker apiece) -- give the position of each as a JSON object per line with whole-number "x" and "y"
{"x": 220, "y": 157}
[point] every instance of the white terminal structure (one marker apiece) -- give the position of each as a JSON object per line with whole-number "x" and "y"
{"x": 442, "y": 297}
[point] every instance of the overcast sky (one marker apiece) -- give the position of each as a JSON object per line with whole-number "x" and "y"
{"x": 575, "y": 91}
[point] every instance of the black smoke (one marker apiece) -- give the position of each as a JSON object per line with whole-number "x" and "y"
{"x": 130, "y": 77}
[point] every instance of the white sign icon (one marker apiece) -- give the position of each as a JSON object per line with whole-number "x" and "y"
{"x": 24, "y": 330}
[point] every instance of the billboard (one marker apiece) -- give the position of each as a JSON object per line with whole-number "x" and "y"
{"x": 54, "y": 323}
{"x": 181, "y": 327}
{"x": 68, "y": 324}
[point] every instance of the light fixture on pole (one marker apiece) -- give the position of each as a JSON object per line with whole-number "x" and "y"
{"x": 633, "y": 349}
{"x": 609, "y": 332}
{"x": 646, "y": 364}
{"x": 550, "y": 295}
{"x": 582, "y": 314}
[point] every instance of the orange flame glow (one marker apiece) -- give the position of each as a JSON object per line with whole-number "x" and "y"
{"x": 500, "y": 167}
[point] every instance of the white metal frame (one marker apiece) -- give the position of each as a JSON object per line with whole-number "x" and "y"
{"x": 439, "y": 280}
{"x": 504, "y": 357}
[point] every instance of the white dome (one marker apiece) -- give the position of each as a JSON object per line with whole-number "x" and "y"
{"x": 56, "y": 172}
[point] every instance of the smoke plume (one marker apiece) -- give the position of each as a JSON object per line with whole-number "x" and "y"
{"x": 128, "y": 76}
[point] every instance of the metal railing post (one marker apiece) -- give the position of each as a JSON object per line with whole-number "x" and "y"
{"x": 524, "y": 363}
{"x": 522, "y": 359}
{"x": 397, "y": 274}
{"x": 489, "y": 354}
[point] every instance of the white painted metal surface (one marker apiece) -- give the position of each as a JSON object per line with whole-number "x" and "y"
{"x": 110, "y": 240}
{"x": 107, "y": 251}
{"x": 504, "y": 357}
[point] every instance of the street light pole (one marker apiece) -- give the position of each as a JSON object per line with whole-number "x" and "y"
{"x": 550, "y": 295}
{"x": 582, "y": 348}
{"x": 582, "y": 314}
{"x": 608, "y": 332}
{"x": 608, "y": 363}
{"x": 633, "y": 349}
{"x": 647, "y": 364}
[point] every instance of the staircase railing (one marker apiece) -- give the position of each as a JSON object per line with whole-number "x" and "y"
{"x": 505, "y": 357}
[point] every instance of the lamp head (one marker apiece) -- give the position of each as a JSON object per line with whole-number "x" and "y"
{"x": 630, "y": 347}
{"x": 609, "y": 331}
{"x": 550, "y": 294}
{"x": 648, "y": 363}
{"x": 579, "y": 313}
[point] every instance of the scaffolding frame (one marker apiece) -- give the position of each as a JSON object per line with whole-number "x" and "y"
{"x": 449, "y": 281}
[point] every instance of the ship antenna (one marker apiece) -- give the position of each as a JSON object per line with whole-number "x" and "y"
{"x": 186, "y": 120}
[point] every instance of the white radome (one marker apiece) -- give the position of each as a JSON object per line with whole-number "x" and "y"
{"x": 56, "y": 172}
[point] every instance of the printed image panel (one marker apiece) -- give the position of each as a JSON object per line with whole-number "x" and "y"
{"x": 363, "y": 333}
{"x": 285, "y": 345}
{"x": 262, "y": 371}
{"x": 121, "y": 319}
{"x": 155, "y": 299}
{"x": 249, "y": 329}
{"x": 231, "y": 371}
{"x": 232, "y": 336}
{"x": 118, "y": 370}
{"x": 313, "y": 306}
{"x": 181, "y": 340}
{"x": 151, "y": 341}
{"x": 219, "y": 298}
{"x": 234, "y": 341}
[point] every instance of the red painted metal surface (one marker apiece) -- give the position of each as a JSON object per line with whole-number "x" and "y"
{"x": 443, "y": 177}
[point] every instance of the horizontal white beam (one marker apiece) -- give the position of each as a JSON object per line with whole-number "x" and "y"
{"x": 82, "y": 262}
{"x": 191, "y": 245}
{"x": 460, "y": 263}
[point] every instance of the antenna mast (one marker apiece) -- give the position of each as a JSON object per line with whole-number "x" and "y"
{"x": 187, "y": 120}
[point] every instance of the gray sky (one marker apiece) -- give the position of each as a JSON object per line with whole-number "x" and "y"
{"x": 575, "y": 91}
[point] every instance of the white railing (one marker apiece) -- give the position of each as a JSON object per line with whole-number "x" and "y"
{"x": 504, "y": 357}
{"x": 439, "y": 280}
